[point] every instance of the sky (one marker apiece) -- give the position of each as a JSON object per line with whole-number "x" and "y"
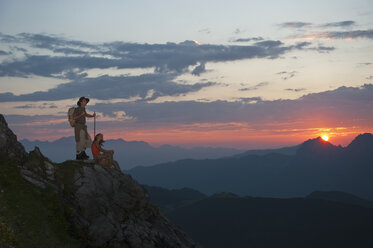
{"x": 243, "y": 74}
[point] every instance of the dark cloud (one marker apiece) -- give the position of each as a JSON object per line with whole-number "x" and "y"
{"x": 323, "y": 49}
{"x": 205, "y": 31}
{"x": 199, "y": 69}
{"x": 301, "y": 45}
{"x": 269, "y": 43}
{"x": 255, "y": 87}
{"x": 51, "y": 42}
{"x": 295, "y": 24}
{"x": 3, "y": 53}
{"x": 34, "y": 106}
{"x": 247, "y": 39}
{"x": 368, "y": 34}
{"x": 237, "y": 31}
{"x": 339, "y": 35}
{"x": 365, "y": 64}
{"x": 69, "y": 59}
{"x": 296, "y": 90}
{"x": 106, "y": 87}
{"x": 345, "y": 104}
{"x": 165, "y": 58}
{"x": 250, "y": 99}
{"x": 285, "y": 75}
{"x": 339, "y": 24}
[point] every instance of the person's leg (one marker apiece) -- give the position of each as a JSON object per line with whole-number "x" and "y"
{"x": 87, "y": 144}
{"x": 77, "y": 141}
{"x": 79, "y": 150}
{"x": 116, "y": 165}
{"x": 83, "y": 143}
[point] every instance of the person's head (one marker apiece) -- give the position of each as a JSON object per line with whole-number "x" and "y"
{"x": 99, "y": 138}
{"x": 82, "y": 101}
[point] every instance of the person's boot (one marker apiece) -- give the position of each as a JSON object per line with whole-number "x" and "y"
{"x": 79, "y": 156}
{"x": 84, "y": 155}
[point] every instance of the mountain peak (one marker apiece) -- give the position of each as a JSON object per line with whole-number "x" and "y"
{"x": 317, "y": 146}
{"x": 362, "y": 143}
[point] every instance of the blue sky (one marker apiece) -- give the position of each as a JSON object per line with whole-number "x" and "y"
{"x": 214, "y": 72}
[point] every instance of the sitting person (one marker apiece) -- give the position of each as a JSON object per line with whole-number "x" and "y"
{"x": 106, "y": 157}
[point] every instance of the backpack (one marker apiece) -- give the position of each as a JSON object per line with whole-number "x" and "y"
{"x": 70, "y": 114}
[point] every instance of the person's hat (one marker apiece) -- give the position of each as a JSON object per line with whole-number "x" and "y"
{"x": 81, "y": 99}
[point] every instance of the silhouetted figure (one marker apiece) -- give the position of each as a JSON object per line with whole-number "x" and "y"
{"x": 82, "y": 138}
{"x": 102, "y": 156}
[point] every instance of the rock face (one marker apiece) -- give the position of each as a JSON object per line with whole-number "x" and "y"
{"x": 9, "y": 146}
{"x": 105, "y": 207}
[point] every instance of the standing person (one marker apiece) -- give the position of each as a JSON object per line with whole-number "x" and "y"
{"x": 102, "y": 156}
{"x": 82, "y": 138}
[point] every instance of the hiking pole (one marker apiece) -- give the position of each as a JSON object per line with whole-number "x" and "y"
{"x": 94, "y": 126}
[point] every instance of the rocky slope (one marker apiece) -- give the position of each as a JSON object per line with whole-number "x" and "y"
{"x": 105, "y": 207}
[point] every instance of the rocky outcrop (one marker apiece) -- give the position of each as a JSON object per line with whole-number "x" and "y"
{"x": 106, "y": 208}
{"x": 9, "y": 146}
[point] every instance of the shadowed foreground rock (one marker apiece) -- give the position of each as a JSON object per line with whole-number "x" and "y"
{"x": 105, "y": 207}
{"x": 9, "y": 146}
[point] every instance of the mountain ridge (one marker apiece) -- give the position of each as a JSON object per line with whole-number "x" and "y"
{"x": 317, "y": 165}
{"x": 130, "y": 153}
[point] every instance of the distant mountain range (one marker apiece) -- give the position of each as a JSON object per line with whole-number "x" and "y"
{"x": 316, "y": 165}
{"x": 321, "y": 219}
{"x": 129, "y": 153}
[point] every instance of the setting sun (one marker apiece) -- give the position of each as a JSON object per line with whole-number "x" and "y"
{"x": 326, "y": 138}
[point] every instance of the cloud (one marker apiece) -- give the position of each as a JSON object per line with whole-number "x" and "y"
{"x": 250, "y": 99}
{"x": 369, "y": 78}
{"x": 339, "y": 24}
{"x": 35, "y": 106}
{"x": 323, "y": 49}
{"x": 295, "y": 24}
{"x": 295, "y": 90}
{"x": 248, "y": 39}
{"x": 3, "y": 53}
{"x": 345, "y": 104}
{"x": 269, "y": 43}
{"x": 365, "y": 64}
{"x": 338, "y": 35}
{"x": 205, "y": 31}
{"x": 78, "y": 56}
{"x": 285, "y": 75}
{"x": 255, "y": 87}
{"x": 199, "y": 69}
{"x": 106, "y": 87}
{"x": 237, "y": 31}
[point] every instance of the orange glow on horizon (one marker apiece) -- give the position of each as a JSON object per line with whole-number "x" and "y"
{"x": 231, "y": 134}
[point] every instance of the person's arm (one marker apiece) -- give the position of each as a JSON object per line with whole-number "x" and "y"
{"x": 88, "y": 115}
{"x": 105, "y": 151}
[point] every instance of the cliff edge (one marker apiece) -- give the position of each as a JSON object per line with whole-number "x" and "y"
{"x": 105, "y": 207}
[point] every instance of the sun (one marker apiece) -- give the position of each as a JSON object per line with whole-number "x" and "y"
{"x": 326, "y": 138}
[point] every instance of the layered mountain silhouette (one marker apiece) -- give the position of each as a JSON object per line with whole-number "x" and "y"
{"x": 342, "y": 197}
{"x": 129, "y": 153}
{"x": 316, "y": 165}
{"x": 321, "y": 219}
